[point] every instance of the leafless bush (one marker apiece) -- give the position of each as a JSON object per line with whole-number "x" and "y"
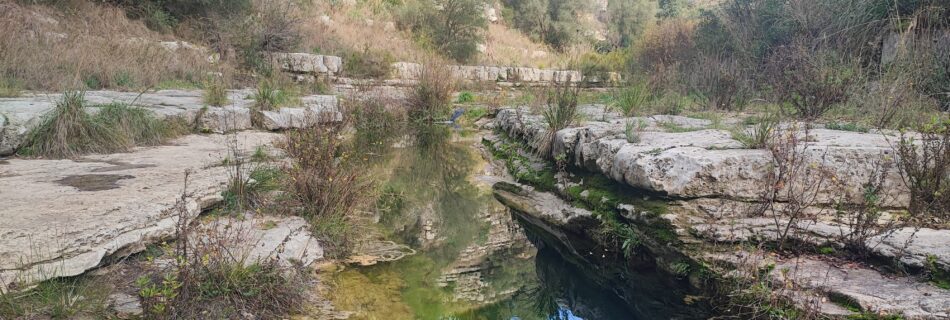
{"x": 861, "y": 216}
{"x": 813, "y": 81}
{"x": 924, "y": 165}
{"x": 793, "y": 184}
{"x": 718, "y": 82}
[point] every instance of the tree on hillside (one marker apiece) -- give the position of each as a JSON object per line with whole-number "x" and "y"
{"x": 453, "y": 27}
{"x": 552, "y": 21}
{"x": 672, "y": 8}
{"x": 628, "y": 19}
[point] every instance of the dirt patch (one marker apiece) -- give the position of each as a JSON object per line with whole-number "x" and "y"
{"x": 3, "y": 162}
{"x": 93, "y": 182}
{"x": 121, "y": 166}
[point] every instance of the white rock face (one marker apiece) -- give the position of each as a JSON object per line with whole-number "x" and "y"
{"x": 253, "y": 239}
{"x": 708, "y": 163}
{"x": 301, "y": 62}
{"x": 63, "y": 217}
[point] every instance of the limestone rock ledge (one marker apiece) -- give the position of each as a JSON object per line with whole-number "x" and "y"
{"x": 706, "y": 162}
{"x": 19, "y": 115}
{"x": 807, "y": 281}
{"x": 64, "y": 217}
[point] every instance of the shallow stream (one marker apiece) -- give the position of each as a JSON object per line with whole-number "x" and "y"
{"x": 472, "y": 259}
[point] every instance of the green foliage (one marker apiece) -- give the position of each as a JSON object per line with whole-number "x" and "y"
{"x": 629, "y": 19}
{"x": 599, "y": 65}
{"x": 452, "y": 27}
{"x": 9, "y": 88}
{"x": 672, "y": 8}
{"x": 760, "y": 135}
{"x": 680, "y": 268}
{"x": 520, "y": 166}
{"x": 271, "y": 95}
{"x": 559, "y": 112}
{"x": 465, "y": 97}
{"x": 938, "y": 276}
{"x": 67, "y": 298}
{"x": 846, "y": 126}
{"x": 633, "y": 129}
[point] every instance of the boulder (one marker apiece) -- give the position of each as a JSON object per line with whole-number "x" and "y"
{"x": 301, "y": 62}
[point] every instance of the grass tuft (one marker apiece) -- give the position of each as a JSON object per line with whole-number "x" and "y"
{"x": 69, "y": 131}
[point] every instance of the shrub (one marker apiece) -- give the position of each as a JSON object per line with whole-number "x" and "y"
{"x": 550, "y": 21}
{"x": 924, "y": 166}
{"x": 323, "y": 182}
{"x": 68, "y": 131}
{"x": 9, "y": 88}
{"x": 272, "y": 28}
{"x": 367, "y": 64}
{"x": 628, "y": 19}
{"x": 431, "y": 97}
{"x": 811, "y": 81}
{"x": 465, "y": 97}
{"x": 718, "y": 83}
{"x": 454, "y": 27}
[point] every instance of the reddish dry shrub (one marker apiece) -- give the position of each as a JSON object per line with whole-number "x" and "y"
{"x": 324, "y": 186}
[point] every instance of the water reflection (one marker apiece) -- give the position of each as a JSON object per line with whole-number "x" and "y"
{"x": 474, "y": 261}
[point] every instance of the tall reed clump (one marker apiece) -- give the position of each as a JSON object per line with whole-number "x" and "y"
{"x": 215, "y": 92}
{"x": 431, "y": 98}
{"x": 559, "y": 110}
{"x": 760, "y": 134}
{"x": 69, "y": 131}
{"x": 324, "y": 184}
{"x": 630, "y": 100}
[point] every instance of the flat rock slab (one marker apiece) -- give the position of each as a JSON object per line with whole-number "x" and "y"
{"x": 868, "y": 288}
{"x": 63, "y": 217}
{"x": 19, "y": 115}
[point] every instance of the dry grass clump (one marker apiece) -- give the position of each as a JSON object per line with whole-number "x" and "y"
{"x": 324, "y": 186}
{"x": 431, "y": 98}
{"x": 90, "y": 45}
{"x": 69, "y": 131}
